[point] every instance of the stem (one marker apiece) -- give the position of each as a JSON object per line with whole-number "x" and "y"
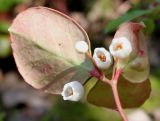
{"x": 92, "y": 60}
{"x": 114, "y": 68}
{"x": 105, "y": 80}
{"x": 96, "y": 72}
{"x": 113, "y": 83}
{"x": 116, "y": 96}
{"x": 117, "y": 100}
{"x": 118, "y": 73}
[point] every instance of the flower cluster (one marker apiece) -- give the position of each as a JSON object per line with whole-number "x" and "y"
{"x": 120, "y": 48}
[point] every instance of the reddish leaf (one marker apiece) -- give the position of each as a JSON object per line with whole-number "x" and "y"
{"x": 43, "y": 43}
{"x": 131, "y": 31}
{"x": 137, "y": 63}
{"x": 132, "y": 95}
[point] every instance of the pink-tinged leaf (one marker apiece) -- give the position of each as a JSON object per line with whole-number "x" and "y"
{"x": 43, "y": 42}
{"x": 131, "y": 31}
{"x": 136, "y": 66}
{"x": 132, "y": 95}
{"x": 138, "y": 69}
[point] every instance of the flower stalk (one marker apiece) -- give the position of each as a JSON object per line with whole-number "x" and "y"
{"x": 113, "y": 83}
{"x": 117, "y": 100}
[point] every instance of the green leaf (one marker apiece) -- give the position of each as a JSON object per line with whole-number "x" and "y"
{"x": 5, "y": 5}
{"x": 132, "y": 95}
{"x": 5, "y": 49}
{"x": 113, "y": 25}
{"x": 4, "y": 27}
{"x": 150, "y": 25}
{"x": 43, "y": 43}
{"x": 2, "y": 116}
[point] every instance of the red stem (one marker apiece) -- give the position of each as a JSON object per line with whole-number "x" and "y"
{"x": 114, "y": 68}
{"x": 113, "y": 83}
{"x": 92, "y": 60}
{"x": 116, "y": 95}
{"x": 118, "y": 73}
{"x": 117, "y": 100}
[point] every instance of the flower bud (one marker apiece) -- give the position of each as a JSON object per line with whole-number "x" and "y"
{"x": 81, "y": 46}
{"x": 102, "y": 58}
{"x": 120, "y": 47}
{"x": 73, "y": 91}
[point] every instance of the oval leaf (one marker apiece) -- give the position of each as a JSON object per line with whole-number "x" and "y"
{"x": 131, "y": 31}
{"x": 131, "y": 95}
{"x": 43, "y": 42}
{"x": 137, "y": 63}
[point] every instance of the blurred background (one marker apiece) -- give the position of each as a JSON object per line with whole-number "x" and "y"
{"x": 100, "y": 18}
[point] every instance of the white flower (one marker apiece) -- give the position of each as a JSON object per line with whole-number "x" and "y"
{"x": 73, "y": 91}
{"x": 102, "y": 58}
{"x": 81, "y": 46}
{"x": 120, "y": 47}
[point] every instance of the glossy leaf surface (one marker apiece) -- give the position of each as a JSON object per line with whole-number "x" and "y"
{"x": 132, "y": 95}
{"x": 43, "y": 42}
{"x": 136, "y": 66}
